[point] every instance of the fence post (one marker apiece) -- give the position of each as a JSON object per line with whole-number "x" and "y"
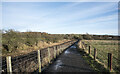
{"x": 39, "y": 61}
{"x": 89, "y": 50}
{"x": 81, "y": 43}
{"x": 63, "y": 47}
{"x": 60, "y": 49}
{"x": 94, "y": 53}
{"x": 83, "y": 46}
{"x": 110, "y": 61}
{"x": 9, "y": 66}
{"x": 48, "y": 55}
{"x": 54, "y": 52}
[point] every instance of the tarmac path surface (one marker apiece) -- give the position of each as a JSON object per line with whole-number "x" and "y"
{"x": 69, "y": 61}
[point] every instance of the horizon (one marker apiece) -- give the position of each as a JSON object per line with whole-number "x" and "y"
{"x": 62, "y": 33}
{"x": 99, "y": 18}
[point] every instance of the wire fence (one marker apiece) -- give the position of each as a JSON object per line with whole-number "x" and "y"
{"x": 102, "y": 54}
{"x": 29, "y": 62}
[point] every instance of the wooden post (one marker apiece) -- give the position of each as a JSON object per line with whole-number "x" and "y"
{"x": 39, "y": 61}
{"x": 9, "y": 66}
{"x": 110, "y": 61}
{"x": 54, "y": 52}
{"x": 94, "y": 53}
{"x": 63, "y": 47}
{"x": 80, "y": 44}
{"x": 60, "y": 49}
{"x": 86, "y": 46}
{"x": 89, "y": 50}
{"x": 83, "y": 47}
{"x": 48, "y": 55}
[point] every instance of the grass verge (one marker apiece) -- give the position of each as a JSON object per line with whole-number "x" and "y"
{"x": 93, "y": 64}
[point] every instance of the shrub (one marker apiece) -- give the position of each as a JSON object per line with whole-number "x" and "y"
{"x": 11, "y": 40}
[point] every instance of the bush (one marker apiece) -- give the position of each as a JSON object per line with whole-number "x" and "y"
{"x": 80, "y": 37}
{"x": 11, "y": 40}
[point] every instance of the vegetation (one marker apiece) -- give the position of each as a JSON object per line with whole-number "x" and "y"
{"x": 103, "y": 48}
{"x": 94, "y": 64}
{"x": 15, "y": 41}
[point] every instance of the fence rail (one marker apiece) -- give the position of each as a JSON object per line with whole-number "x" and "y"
{"x": 34, "y": 60}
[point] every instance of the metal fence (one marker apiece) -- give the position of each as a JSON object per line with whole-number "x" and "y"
{"x": 105, "y": 58}
{"x": 29, "y": 62}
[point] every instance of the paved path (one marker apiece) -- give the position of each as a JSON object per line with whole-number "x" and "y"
{"x": 69, "y": 61}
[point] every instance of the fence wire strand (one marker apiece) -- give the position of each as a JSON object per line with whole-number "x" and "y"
{"x": 21, "y": 60}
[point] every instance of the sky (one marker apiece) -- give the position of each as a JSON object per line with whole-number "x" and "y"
{"x": 61, "y": 17}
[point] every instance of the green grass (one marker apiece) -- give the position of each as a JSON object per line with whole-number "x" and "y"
{"x": 97, "y": 67}
{"x": 103, "y": 48}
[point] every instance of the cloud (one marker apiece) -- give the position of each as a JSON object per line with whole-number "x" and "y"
{"x": 61, "y": 18}
{"x": 99, "y": 19}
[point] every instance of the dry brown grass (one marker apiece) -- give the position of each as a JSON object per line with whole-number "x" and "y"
{"x": 24, "y": 49}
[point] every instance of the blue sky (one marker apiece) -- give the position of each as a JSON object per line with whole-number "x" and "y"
{"x": 61, "y": 17}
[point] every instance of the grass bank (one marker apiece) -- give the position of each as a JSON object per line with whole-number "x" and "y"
{"x": 103, "y": 47}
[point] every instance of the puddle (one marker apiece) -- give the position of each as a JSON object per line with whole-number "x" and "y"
{"x": 73, "y": 47}
{"x": 67, "y": 51}
{"x": 58, "y": 64}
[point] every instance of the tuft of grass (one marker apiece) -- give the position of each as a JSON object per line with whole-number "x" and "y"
{"x": 94, "y": 64}
{"x": 103, "y": 48}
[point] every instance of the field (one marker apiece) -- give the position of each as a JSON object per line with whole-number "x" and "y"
{"x": 103, "y": 48}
